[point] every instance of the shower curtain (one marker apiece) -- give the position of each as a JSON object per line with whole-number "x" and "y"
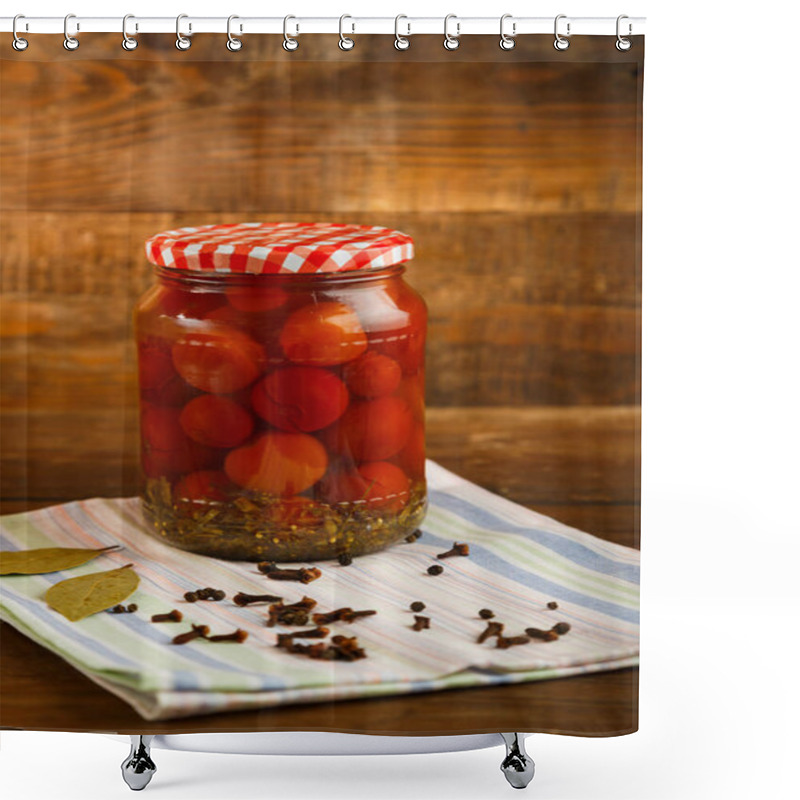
{"x": 517, "y": 175}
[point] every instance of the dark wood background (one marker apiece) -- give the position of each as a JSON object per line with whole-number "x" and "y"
{"x": 517, "y": 173}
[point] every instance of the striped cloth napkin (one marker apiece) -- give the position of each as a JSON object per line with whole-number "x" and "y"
{"x": 519, "y": 561}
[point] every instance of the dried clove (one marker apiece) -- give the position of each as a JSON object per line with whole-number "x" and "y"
{"x": 544, "y": 636}
{"x": 486, "y": 613}
{"x": 266, "y": 566}
{"x": 304, "y": 574}
{"x": 294, "y": 614}
{"x": 456, "y": 550}
{"x": 552, "y": 605}
{"x": 342, "y": 615}
{"x": 417, "y": 605}
{"x": 561, "y": 628}
{"x": 436, "y": 569}
{"x": 237, "y": 636}
{"x": 311, "y": 633}
{"x": 342, "y": 648}
{"x": 172, "y": 616}
{"x": 492, "y": 629}
{"x": 421, "y": 623}
{"x": 504, "y": 642}
{"x": 244, "y": 599}
{"x": 197, "y": 632}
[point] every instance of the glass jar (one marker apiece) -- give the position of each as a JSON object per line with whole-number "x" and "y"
{"x": 281, "y": 414}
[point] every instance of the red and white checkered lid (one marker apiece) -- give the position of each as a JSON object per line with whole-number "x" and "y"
{"x": 269, "y": 248}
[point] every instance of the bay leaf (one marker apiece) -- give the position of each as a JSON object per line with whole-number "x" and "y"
{"x": 81, "y": 597}
{"x": 46, "y": 559}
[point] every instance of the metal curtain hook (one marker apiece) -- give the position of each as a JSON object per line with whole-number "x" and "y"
{"x": 18, "y": 43}
{"x": 345, "y": 42}
{"x": 623, "y": 44}
{"x": 560, "y": 42}
{"x": 290, "y": 43}
{"x": 128, "y": 43}
{"x": 234, "y": 44}
{"x": 507, "y": 42}
{"x": 70, "y": 42}
{"x": 400, "y": 42}
{"x": 182, "y": 42}
{"x": 451, "y": 42}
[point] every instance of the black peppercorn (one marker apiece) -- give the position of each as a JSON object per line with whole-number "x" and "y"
{"x": 552, "y": 605}
{"x": 561, "y": 628}
{"x": 132, "y": 607}
{"x": 436, "y": 569}
{"x": 218, "y": 594}
{"x": 190, "y": 597}
{"x": 486, "y": 613}
{"x": 417, "y": 605}
{"x": 345, "y": 559}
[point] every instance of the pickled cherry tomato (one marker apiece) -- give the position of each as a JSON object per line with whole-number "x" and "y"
{"x": 166, "y": 450}
{"x": 219, "y": 362}
{"x": 278, "y": 463}
{"x": 323, "y": 334}
{"x": 373, "y": 430}
{"x": 248, "y": 298}
{"x": 412, "y": 457}
{"x": 216, "y": 421}
{"x": 300, "y": 399}
{"x": 342, "y": 486}
{"x": 372, "y": 375}
{"x": 174, "y": 302}
{"x": 201, "y": 487}
{"x": 155, "y": 363}
{"x": 388, "y": 485}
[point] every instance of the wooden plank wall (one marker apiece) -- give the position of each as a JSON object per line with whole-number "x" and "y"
{"x": 518, "y": 175}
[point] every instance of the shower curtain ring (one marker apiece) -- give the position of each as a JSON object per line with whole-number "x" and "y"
{"x": 401, "y": 42}
{"x": 451, "y": 42}
{"x": 18, "y": 44}
{"x": 233, "y": 44}
{"x": 622, "y": 43}
{"x": 345, "y": 42}
{"x": 182, "y": 42}
{"x": 129, "y": 43}
{"x": 70, "y": 42}
{"x": 507, "y": 41}
{"x": 560, "y": 42}
{"x": 290, "y": 43}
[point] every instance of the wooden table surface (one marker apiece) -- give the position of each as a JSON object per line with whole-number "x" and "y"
{"x": 580, "y": 465}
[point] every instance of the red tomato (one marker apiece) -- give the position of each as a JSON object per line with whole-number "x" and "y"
{"x": 175, "y": 302}
{"x": 166, "y": 450}
{"x": 278, "y": 463}
{"x": 199, "y": 488}
{"x": 388, "y": 486}
{"x": 342, "y": 486}
{"x": 216, "y": 421}
{"x": 220, "y": 362}
{"x": 323, "y": 334}
{"x": 155, "y": 363}
{"x": 372, "y": 375}
{"x": 300, "y": 399}
{"x": 412, "y": 457}
{"x": 372, "y": 430}
{"x": 262, "y": 298}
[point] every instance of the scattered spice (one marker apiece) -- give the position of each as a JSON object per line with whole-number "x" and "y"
{"x": 244, "y": 599}
{"x": 504, "y": 642}
{"x": 552, "y": 605}
{"x": 293, "y": 614}
{"x": 237, "y": 636}
{"x": 208, "y": 593}
{"x": 197, "y": 632}
{"x": 417, "y": 605}
{"x": 342, "y": 648}
{"x": 311, "y": 633}
{"x": 218, "y": 595}
{"x": 118, "y": 609}
{"x": 77, "y": 598}
{"x": 266, "y": 566}
{"x": 304, "y": 574}
{"x": 172, "y": 616}
{"x": 456, "y": 550}
{"x": 342, "y": 615}
{"x": 544, "y": 636}
{"x": 345, "y": 559}
{"x": 190, "y": 597}
{"x": 492, "y": 629}
{"x": 412, "y": 537}
{"x": 561, "y": 628}
{"x": 486, "y": 613}
{"x": 436, "y": 569}
{"x": 421, "y": 623}
{"x": 132, "y": 607}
